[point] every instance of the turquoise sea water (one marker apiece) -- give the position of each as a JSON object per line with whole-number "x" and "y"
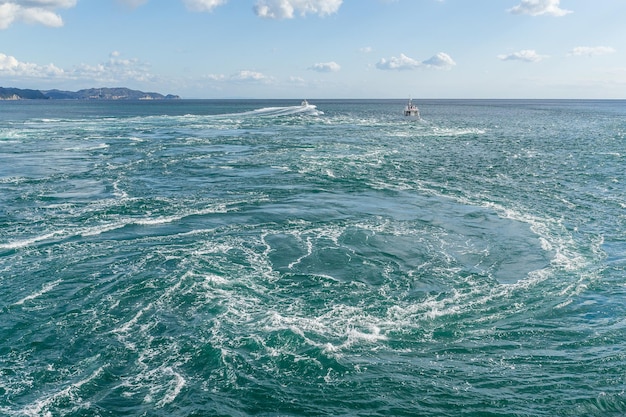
{"x": 235, "y": 258}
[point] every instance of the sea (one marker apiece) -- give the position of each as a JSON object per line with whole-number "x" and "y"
{"x": 263, "y": 258}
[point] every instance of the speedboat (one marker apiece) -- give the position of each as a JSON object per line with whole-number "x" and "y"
{"x": 304, "y": 103}
{"x": 411, "y": 111}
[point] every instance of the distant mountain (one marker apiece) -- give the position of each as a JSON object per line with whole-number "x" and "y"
{"x": 18, "y": 94}
{"x": 87, "y": 94}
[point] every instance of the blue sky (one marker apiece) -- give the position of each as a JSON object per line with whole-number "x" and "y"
{"x": 319, "y": 48}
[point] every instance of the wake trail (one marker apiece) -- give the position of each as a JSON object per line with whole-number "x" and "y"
{"x": 304, "y": 110}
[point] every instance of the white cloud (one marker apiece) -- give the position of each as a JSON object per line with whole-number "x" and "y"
{"x": 44, "y": 12}
{"x": 401, "y": 63}
{"x": 325, "y": 67}
{"x": 215, "y": 77}
{"x": 241, "y": 76}
{"x": 296, "y": 80}
{"x": 203, "y": 5}
{"x": 8, "y": 13}
{"x": 41, "y": 16}
{"x": 440, "y": 61}
{"x": 540, "y": 7}
{"x": 366, "y": 49}
{"x": 32, "y": 11}
{"x": 285, "y": 9}
{"x": 526, "y": 55}
{"x": 591, "y": 50}
{"x": 115, "y": 70}
{"x": 246, "y": 75}
{"x": 11, "y": 67}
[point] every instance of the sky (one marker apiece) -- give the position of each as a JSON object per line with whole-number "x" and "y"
{"x": 319, "y": 48}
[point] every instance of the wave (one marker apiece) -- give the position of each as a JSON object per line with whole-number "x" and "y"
{"x": 42, "y": 406}
{"x": 443, "y": 131}
{"x": 83, "y": 148}
{"x": 62, "y": 234}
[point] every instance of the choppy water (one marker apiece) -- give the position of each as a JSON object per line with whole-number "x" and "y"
{"x": 232, "y": 258}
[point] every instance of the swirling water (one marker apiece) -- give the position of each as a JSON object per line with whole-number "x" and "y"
{"x": 207, "y": 258}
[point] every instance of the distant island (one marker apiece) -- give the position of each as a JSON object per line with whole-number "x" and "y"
{"x": 86, "y": 94}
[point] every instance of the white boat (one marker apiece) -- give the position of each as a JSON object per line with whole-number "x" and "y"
{"x": 411, "y": 110}
{"x": 304, "y": 103}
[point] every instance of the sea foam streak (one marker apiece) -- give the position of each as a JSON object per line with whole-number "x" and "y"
{"x": 71, "y": 393}
{"x": 108, "y": 227}
{"x": 46, "y": 288}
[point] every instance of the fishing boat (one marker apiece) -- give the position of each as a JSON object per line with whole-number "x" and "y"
{"x": 411, "y": 111}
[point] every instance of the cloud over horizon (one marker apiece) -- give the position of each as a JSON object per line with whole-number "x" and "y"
{"x": 11, "y": 67}
{"x": 540, "y": 7}
{"x": 591, "y": 51}
{"x": 242, "y": 76}
{"x": 115, "y": 69}
{"x": 404, "y": 63}
{"x": 325, "y": 67}
{"x": 526, "y": 55}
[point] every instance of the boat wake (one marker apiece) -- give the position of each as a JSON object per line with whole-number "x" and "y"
{"x": 303, "y": 110}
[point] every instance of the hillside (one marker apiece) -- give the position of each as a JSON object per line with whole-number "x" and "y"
{"x": 86, "y": 94}
{"x": 19, "y": 94}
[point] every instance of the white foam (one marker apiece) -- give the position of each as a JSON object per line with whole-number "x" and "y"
{"x": 357, "y": 336}
{"x": 309, "y": 252}
{"x": 107, "y": 227}
{"x": 174, "y": 387}
{"x": 18, "y": 244}
{"x": 41, "y": 407}
{"x": 98, "y": 230}
{"x": 118, "y": 192}
{"x": 216, "y": 280}
{"x": 219, "y": 208}
{"x": 12, "y": 180}
{"x": 276, "y": 111}
{"x": 123, "y": 331}
{"x": 46, "y": 288}
{"x": 443, "y": 131}
{"x": 88, "y": 148}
